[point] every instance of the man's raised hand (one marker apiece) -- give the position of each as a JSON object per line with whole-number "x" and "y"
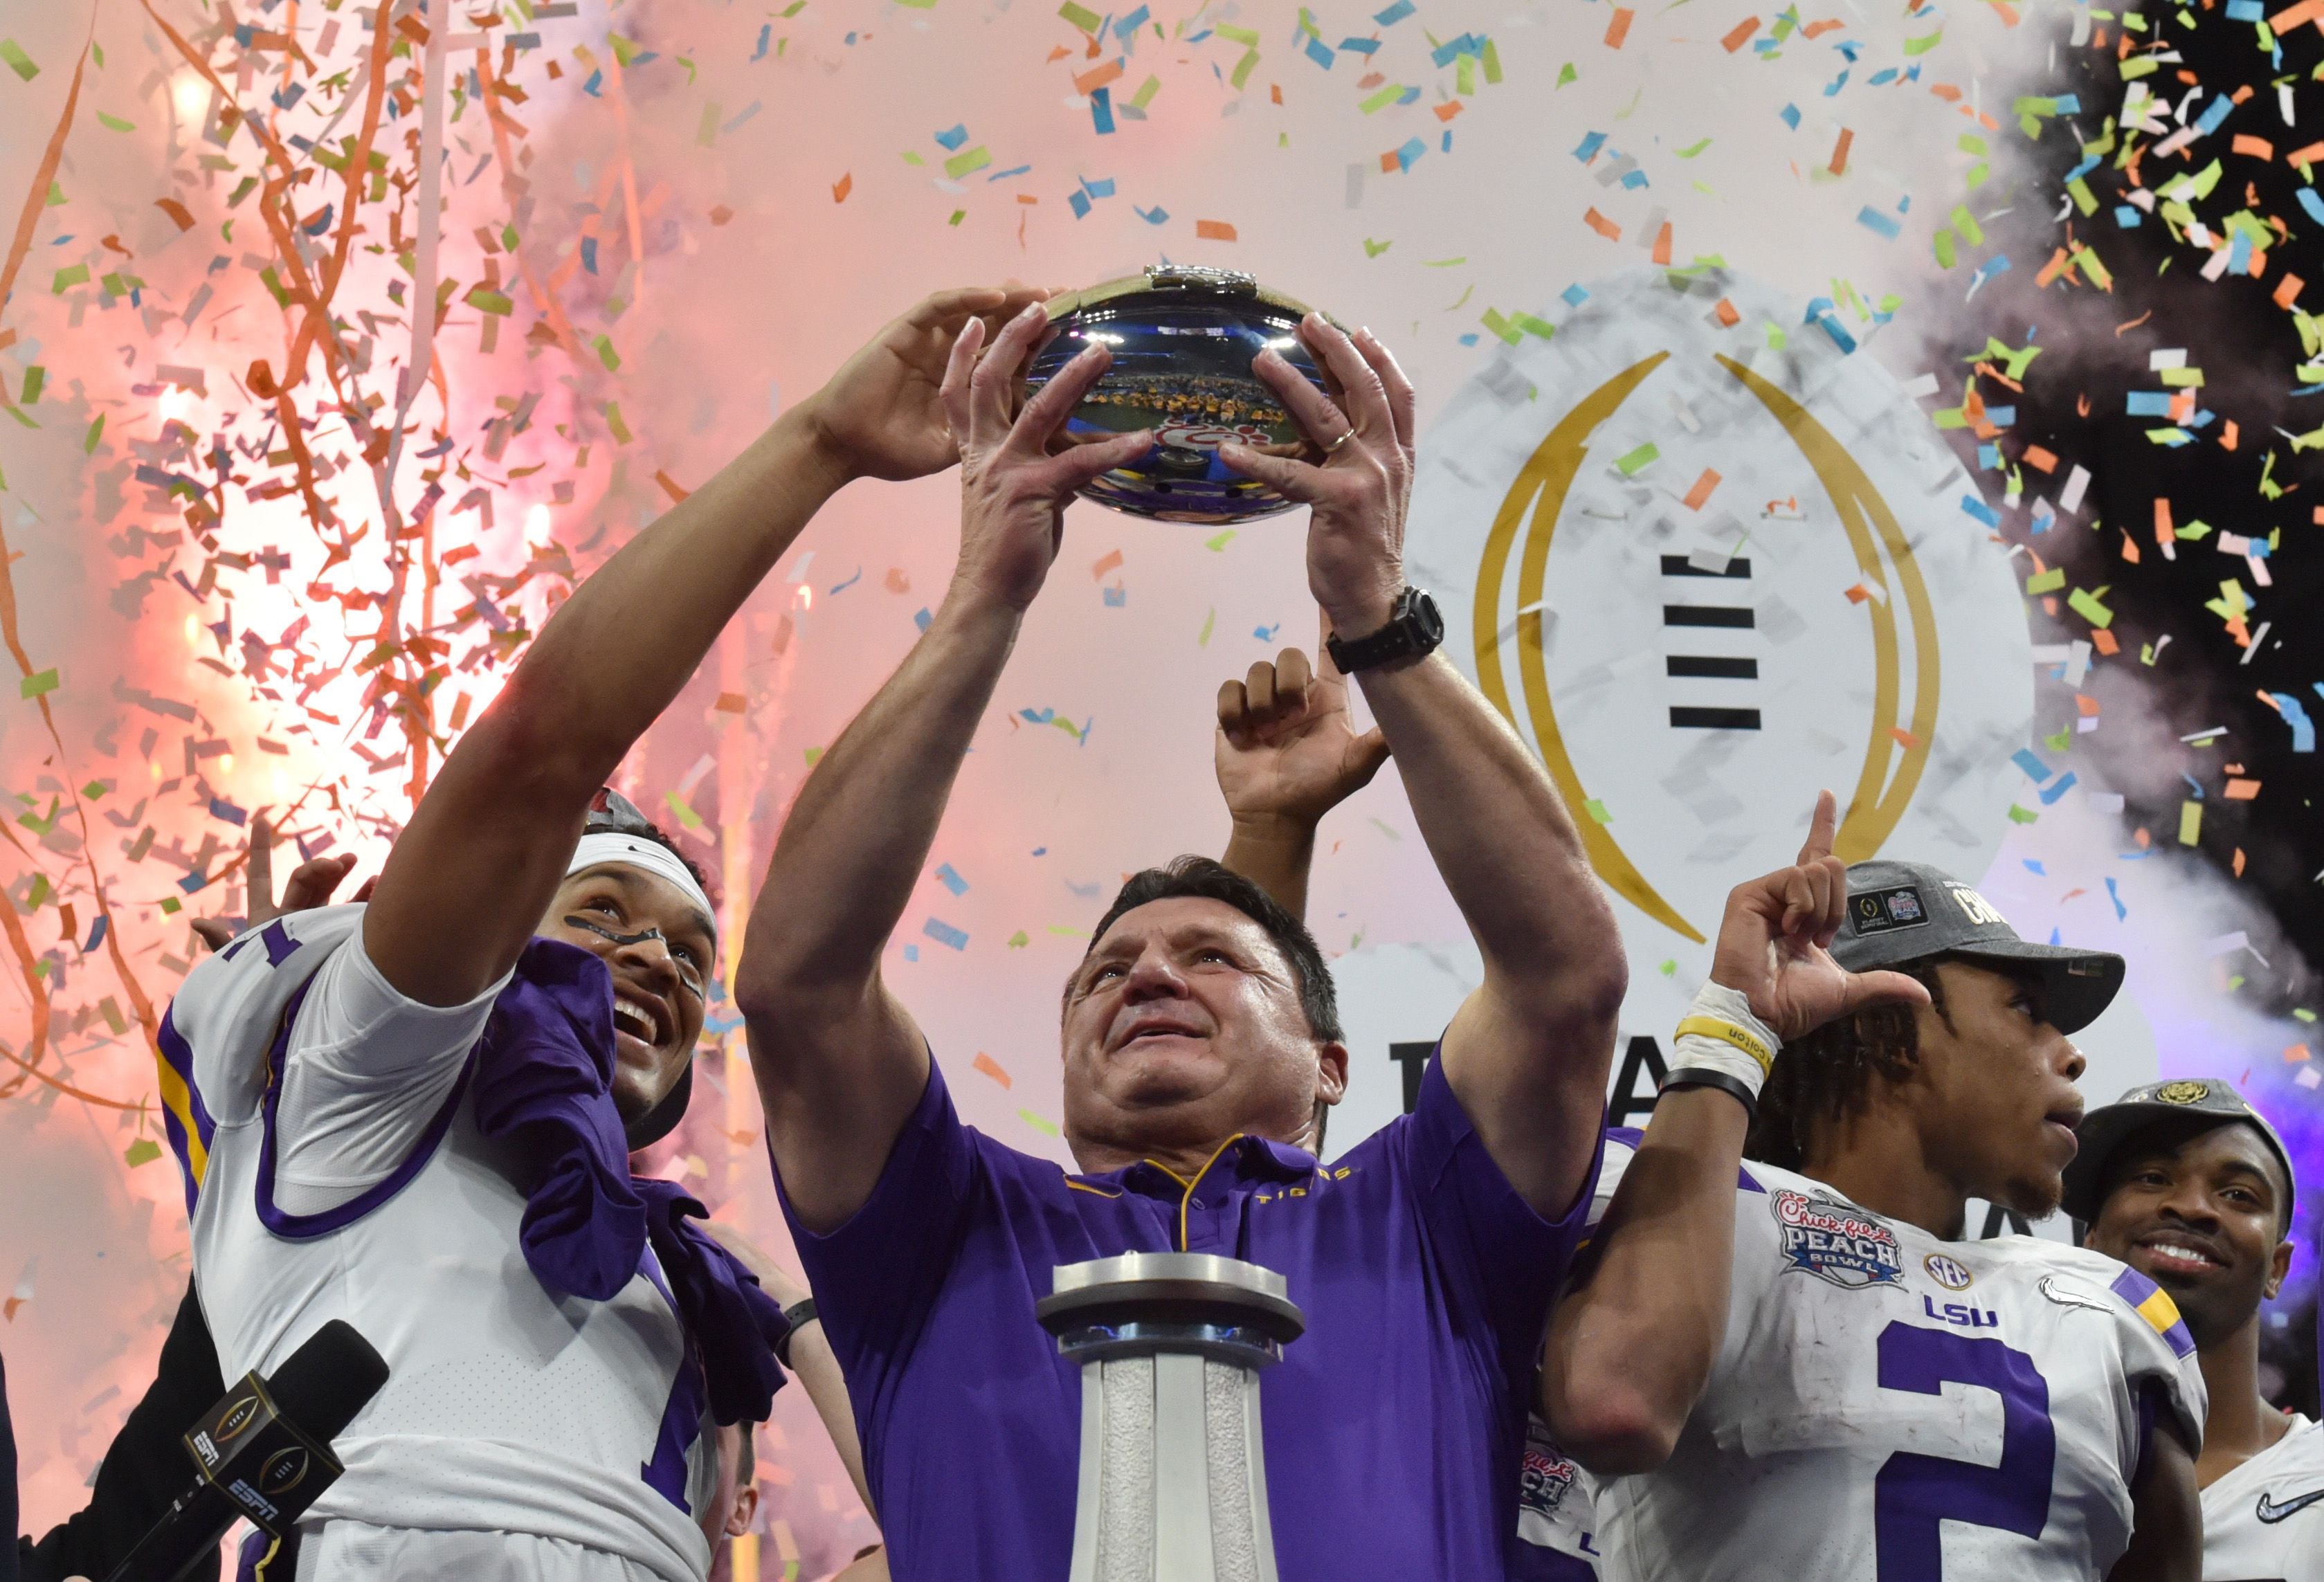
{"x": 1773, "y": 942}
{"x": 1013, "y": 491}
{"x": 1360, "y": 491}
{"x": 881, "y": 415}
{"x": 1287, "y": 750}
{"x": 310, "y": 884}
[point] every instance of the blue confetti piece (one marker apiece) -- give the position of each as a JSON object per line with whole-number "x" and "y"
{"x": 1590, "y": 147}
{"x": 1469, "y": 339}
{"x": 1115, "y": 598}
{"x": 1131, "y": 23}
{"x": 1266, "y": 634}
{"x": 923, "y": 619}
{"x": 1573, "y": 295}
{"x": 221, "y": 808}
{"x": 2147, "y": 403}
{"x": 193, "y": 882}
{"x": 1790, "y": 114}
{"x": 2032, "y": 865}
{"x": 1973, "y": 506}
{"x": 1080, "y": 203}
{"x": 749, "y": 111}
{"x": 589, "y": 253}
{"x": 1394, "y": 14}
{"x": 766, "y": 30}
{"x": 1882, "y": 78}
{"x": 2072, "y": 104}
{"x": 2055, "y": 938}
{"x": 2001, "y": 417}
{"x": 1036, "y": 717}
{"x": 850, "y": 582}
{"x": 1837, "y": 83}
{"x": 911, "y": 953}
{"x": 1989, "y": 458}
{"x": 1874, "y": 220}
{"x": 951, "y": 879}
{"x": 1320, "y": 53}
{"x": 1361, "y": 46}
{"x": 1156, "y": 216}
{"x": 1098, "y": 189}
{"x": 2213, "y": 113}
{"x": 1005, "y": 175}
{"x": 2126, "y": 217}
{"x": 1101, "y": 110}
{"x": 1412, "y": 149}
{"x": 951, "y": 141}
{"x": 2056, "y": 788}
{"x": 2245, "y": 11}
{"x": 1634, "y": 179}
{"x": 2035, "y": 769}
{"x": 2303, "y": 728}
{"x": 945, "y": 933}
{"x": 2113, "y": 894}
{"x": 596, "y": 80}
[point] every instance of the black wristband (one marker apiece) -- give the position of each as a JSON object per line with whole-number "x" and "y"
{"x": 794, "y": 1317}
{"x": 1711, "y": 1077}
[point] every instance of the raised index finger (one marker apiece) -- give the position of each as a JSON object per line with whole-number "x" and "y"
{"x": 1821, "y": 829}
{"x": 260, "y": 877}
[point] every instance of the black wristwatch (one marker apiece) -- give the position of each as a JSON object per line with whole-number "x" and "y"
{"x": 795, "y": 1317}
{"x": 1414, "y": 628}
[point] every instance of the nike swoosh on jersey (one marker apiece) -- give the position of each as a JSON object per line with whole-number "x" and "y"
{"x": 2268, "y": 1511}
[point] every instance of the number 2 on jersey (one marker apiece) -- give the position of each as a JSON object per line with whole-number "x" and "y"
{"x": 1914, "y": 1494}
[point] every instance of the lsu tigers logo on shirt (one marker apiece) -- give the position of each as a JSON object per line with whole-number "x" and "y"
{"x": 1835, "y": 1242}
{"x": 1548, "y": 1475}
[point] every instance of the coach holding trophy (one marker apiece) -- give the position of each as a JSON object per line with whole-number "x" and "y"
{"x": 1202, "y": 1049}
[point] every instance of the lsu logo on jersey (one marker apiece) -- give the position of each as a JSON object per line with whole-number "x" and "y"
{"x": 1548, "y": 1475}
{"x": 1835, "y": 1242}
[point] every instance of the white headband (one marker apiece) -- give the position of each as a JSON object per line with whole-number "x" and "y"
{"x": 600, "y": 847}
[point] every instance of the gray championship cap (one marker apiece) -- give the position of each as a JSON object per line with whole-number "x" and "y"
{"x": 1901, "y": 912}
{"x": 2193, "y": 1099}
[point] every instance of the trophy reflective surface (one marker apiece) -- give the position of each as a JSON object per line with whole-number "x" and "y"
{"x": 1173, "y": 1471}
{"x": 1182, "y": 340}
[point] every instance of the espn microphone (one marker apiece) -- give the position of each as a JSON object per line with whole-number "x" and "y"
{"x": 264, "y": 1452}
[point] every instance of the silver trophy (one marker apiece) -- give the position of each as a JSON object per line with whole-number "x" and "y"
{"x": 1172, "y": 1470}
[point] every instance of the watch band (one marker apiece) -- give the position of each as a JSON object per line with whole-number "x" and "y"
{"x": 795, "y": 1317}
{"x": 1414, "y": 628}
{"x": 1709, "y": 1077}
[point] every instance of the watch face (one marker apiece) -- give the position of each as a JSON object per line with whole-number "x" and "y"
{"x": 1427, "y": 618}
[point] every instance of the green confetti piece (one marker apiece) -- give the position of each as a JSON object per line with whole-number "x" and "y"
{"x": 1243, "y": 69}
{"x": 34, "y": 685}
{"x": 1566, "y": 74}
{"x": 605, "y": 353}
{"x": 958, "y": 214}
{"x": 1923, "y": 46}
{"x": 169, "y": 906}
{"x": 1382, "y": 98}
{"x": 2190, "y": 824}
{"x": 2085, "y": 603}
{"x": 1081, "y": 17}
{"x": 620, "y": 430}
{"x": 1146, "y": 92}
{"x": 625, "y": 50}
{"x": 1533, "y": 326}
{"x": 1597, "y": 810}
{"x": 707, "y": 132}
{"x": 34, "y": 377}
{"x": 18, "y": 62}
{"x": 1208, "y": 620}
{"x": 1492, "y": 60}
{"x": 912, "y": 159}
{"x": 95, "y": 433}
{"x": 1241, "y": 35}
{"x": 1020, "y": 940}
{"x": 1638, "y": 460}
{"x": 813, "y": 753}
{"x": 1374, "y": 249}
{"x": 143, "y": 1151}
{"x": 1041, "y": 1124}
{"x": 1943, "y": 242}
{"x": 115, "y": 123}
{"x": 71, "y": 275}
{"x": 488, "y": 301}
{"x": 1218, "y": 541}
{"x": 680, "y": 811}
{"x": 1669, "y": 969}
{"x": 2047, "y": 582}
{"x": 1694, "y": 149}
{"x": 2023, "y": 815}
{"x": 1964, "y": 221}
{"x": 1501, "y": 326}
{"x": 960, "y": 164}
{"x": 2062, "y": 741}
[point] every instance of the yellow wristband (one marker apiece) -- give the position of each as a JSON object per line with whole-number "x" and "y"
{"x": 1728, "y": 1032}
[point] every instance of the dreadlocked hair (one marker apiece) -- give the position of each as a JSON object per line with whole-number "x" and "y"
{"x": 1827, "y": 1076}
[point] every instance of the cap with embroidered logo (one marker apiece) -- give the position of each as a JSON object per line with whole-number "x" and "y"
{"x": 1902, "y": 912}
{"x": 2106, "y": 1129}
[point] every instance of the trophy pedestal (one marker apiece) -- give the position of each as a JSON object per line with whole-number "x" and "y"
{"x": 1173, "y": 1471}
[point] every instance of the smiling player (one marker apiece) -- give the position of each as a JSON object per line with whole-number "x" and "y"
{"x": 2191, "y": 1186}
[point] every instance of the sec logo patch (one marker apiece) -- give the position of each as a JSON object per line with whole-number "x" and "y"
{"x": 1948, "y": 1273}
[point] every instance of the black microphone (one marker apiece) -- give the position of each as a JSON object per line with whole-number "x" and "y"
{"x": 263, "y": 1453}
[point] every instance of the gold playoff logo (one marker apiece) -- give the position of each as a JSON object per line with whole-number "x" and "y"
{"x": 1896, "y": 752}
{"x": 238, "y": 1417}
{"x": 2183, "y": 1092}
{"x": 284, "y": 1471}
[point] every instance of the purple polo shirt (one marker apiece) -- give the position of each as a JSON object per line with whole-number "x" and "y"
{"x": 1394, "y": 1427}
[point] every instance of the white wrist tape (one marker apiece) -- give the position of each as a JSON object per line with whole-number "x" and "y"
{"x": 1720, "y": 1034}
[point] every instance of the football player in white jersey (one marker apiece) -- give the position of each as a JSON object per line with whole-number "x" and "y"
{"x": 414, "y": 1115}
{"x": 2187, "y": 1185}
{"x": 1801, "y": 1372}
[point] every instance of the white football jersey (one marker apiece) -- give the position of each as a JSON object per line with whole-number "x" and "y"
{"x": 2264, "y": 1520}
{"x": 1889, "y": 1407}
{"x": 335, "y": 1170}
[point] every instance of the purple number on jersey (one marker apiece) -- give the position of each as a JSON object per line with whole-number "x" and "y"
{"x": 1914, "y": 1494}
